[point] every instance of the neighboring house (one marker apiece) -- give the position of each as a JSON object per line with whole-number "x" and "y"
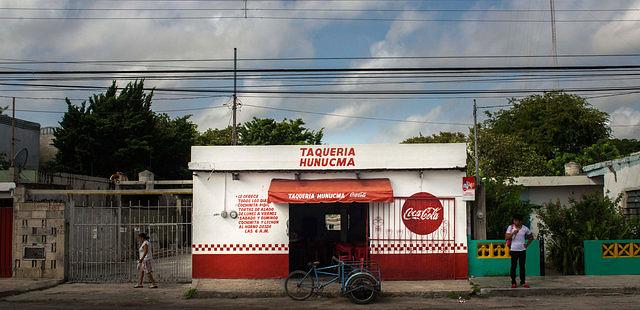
{"x": 27, "y": 136}
{"x": 47, "y": 150}
{"x": 555, "y": 189}
{"x": 621, "y": 178}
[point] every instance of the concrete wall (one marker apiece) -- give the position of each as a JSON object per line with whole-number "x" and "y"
{"x": 611, "y": 257}
{"x": 39, "y": 225}
{"x": 491, "y": 258}
{"x": 625, "y": 177}
{"x": 27, "y": 136}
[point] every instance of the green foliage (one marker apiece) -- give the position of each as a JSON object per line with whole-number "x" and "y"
{"x": 120, "y": 132}
{"x": 4, "y": 163}
{"x": 190, "y": 293}
{"x": 626, "y": 146}
{"x": 553, "y": 123}
{"x": 504, "y": 155}
{"x": 595, "y": 217}
{"x": 266, "y": 131}
{"x": 503, "y": 201}
{"x": 441, "y": 137}
{"x": 603, "y": 150}
{"x": 2, "y": 109}
{"x": 215, "y": 136}
{"x": 540, "y": 134}
{"x": 263, "y": 131}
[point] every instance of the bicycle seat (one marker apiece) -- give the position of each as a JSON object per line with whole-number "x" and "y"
{"x": 314, "y": 264}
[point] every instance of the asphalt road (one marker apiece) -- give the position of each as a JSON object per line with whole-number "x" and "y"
{"x": 95, "y": 297}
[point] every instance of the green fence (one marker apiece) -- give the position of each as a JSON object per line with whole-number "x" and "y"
{"x": 611, "y": 257}
{"x": 491, "y": 258}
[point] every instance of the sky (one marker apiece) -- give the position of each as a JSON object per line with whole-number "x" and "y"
{"x": 403, "y": 28}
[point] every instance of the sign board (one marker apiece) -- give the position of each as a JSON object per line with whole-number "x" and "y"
{"x": 422, "y": 213}
{"x": 329, "y": 157}
{"x": 468, "y": 188}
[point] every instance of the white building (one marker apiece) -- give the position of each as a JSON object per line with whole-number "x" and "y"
{"x": 263, "y": 211}
{"x": 621, "y": 178}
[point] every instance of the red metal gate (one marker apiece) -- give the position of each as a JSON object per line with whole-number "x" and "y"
{"x": 6, "y": 237}
{"x": 405, "y": 255}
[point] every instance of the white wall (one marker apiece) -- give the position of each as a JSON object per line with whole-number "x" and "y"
{"x": 215, "y": 191}
{"x": 626, "y": 177}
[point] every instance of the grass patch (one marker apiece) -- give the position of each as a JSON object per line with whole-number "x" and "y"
{"x": 190, "y": 293}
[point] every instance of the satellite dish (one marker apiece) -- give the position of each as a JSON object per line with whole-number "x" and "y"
{"x": 20, "y": 159}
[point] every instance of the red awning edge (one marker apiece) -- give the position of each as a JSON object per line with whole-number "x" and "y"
{"x": 330, "y": 190}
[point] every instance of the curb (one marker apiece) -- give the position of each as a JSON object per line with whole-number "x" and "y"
{"x": 556, "y": 291}
{"x": 49, "y": 285}
{"x": 326, "y": 294}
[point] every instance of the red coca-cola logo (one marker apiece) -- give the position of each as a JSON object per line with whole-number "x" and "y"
{"x": 422, "y": 213}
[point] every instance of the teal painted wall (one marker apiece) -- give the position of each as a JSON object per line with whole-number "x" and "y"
{"x": 626, "y": 262}
{"x": 483, "y": 267}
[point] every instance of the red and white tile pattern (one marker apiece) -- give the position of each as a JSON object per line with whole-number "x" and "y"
{"x": 415, "y": 248}
{"x": 241, "y": 248}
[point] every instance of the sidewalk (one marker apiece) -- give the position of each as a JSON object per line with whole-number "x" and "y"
{"x": 238, "y": 288}
{"x": 14, "y": 286}
{"x": 484, "y": 286}
{"x": 559, "y": 285}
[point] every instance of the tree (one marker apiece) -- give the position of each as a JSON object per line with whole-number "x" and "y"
{"x": 626, "y": 146}
{"x": 553, "y": 123}
{"x": 503, "y": 155}
{"x": 503, "y": 201}
{"x": 120, "y": 132}
{"x": 215, "y": 136}
{"x": 266, "y": 131}
{"x": 4, "y": 163}
{"x": 604, "y": 150}
{"x": 441, "y": 137}
{"x": 540, "y": 134}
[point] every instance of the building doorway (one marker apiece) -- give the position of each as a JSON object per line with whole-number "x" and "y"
{"x": 319, "y": 231}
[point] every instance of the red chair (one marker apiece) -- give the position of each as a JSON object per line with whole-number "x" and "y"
{"x": 360, "y": 252}
{"x": 344, "y": 251}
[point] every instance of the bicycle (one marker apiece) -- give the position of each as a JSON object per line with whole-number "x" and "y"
{"x": 359, "y": 280}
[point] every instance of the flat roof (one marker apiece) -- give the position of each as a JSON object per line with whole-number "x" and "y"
{"x": 342, "y": 157}
{"x": 599, "y": 168}
{"x": 549, "y": 181}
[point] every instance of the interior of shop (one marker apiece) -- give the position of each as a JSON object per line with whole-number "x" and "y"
{"x": 317, "y": 232}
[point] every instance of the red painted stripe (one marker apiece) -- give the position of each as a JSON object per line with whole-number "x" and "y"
{"x": 240, "y": 266}
{"x": 422, "y": 266}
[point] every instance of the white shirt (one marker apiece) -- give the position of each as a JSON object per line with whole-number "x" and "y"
{"x": 518, "y": 241}
{"x": 141, "y": 250}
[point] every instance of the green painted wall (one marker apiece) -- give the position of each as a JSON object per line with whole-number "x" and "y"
{"x": 482, "y": 267}
{"x": 596, "y": 264}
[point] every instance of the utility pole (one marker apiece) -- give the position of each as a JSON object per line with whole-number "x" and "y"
{"x": 475, "y": 139}
{"x": 554, "y": 39}
{"x": 12, "y": 169}
{"x": 480, "y": 214}
{"x": 234, "y": 107}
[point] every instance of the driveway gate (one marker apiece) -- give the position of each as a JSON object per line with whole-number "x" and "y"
{"x": 103, "y": 244}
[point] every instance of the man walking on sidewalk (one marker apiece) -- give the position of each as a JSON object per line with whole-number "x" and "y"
{"x": 520, "y": 237}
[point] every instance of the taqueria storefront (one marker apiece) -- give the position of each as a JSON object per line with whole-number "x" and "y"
{"x": 263, "y": 211}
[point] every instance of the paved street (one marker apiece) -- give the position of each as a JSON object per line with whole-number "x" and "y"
{"x": 108, "y": 296}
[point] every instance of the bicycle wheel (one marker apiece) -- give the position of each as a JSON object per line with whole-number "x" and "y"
{"x": 299, "y": 285}
{"x": 362, "y": 289}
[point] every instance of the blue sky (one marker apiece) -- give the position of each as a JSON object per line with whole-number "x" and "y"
{"x": 259, "y": 38}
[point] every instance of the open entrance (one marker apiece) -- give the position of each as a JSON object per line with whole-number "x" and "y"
{"x": 318, "y": 231}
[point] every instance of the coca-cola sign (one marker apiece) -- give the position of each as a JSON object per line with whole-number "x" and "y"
{"x": 422, "y": 213}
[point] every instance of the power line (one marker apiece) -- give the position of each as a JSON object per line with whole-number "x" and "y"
{"x": 142, "y": 9}
{"x": 476, "y": 20}
{"x": 355, "y": 70}
{"x": 144, "y": 61}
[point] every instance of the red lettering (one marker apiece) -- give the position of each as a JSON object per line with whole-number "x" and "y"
{"x": 303, "y": 162}
{"x": 340, "y": 162}
{"x": 340, "y": 152}
{"x": 333, "y": 151}
{"x": 351, "y": 163}
{"x": 302, "y": 149}
{"x": 352, "y": 152}
{"x": 332, "y": 162}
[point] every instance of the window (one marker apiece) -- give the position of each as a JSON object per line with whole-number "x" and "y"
{"x": 332, "y": 221}
{"x": 53, "y": 264}
{"x": 633, "y": 204}
{"x": 53, "y": 247}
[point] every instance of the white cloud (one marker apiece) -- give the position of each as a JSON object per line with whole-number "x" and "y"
{"x": 626, "y": 123}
